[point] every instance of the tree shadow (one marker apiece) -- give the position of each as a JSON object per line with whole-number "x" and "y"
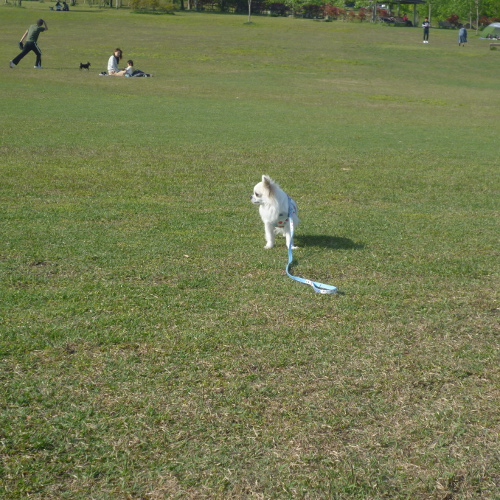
{"x": 88, "y": 11}
{"x": 326, "y": 241}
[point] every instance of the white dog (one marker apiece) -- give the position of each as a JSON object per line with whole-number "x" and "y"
{"x": 274, "y": 207}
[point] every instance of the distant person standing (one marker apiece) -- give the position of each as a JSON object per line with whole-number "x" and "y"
{"x": 426, "y": 25}
{"x": 462, "y": 36}
{"x": 31, "y": 38}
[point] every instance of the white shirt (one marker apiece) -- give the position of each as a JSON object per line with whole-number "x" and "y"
{"x": 112, "y": 66}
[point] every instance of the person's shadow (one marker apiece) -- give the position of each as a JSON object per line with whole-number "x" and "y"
{"x": 325, "y": 241}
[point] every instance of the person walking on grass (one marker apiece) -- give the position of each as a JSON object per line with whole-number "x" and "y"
{"x": 426, "y": 25}
{"x": 462, "y": 36}
{"x": 31, "y": 38}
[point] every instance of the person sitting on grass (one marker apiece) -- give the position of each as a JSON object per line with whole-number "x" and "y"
{"x": 113, "y": 69}
{"x": 129, "y": 70}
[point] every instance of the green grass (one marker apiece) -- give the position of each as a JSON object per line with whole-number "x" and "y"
{"x": 151, "y": 348}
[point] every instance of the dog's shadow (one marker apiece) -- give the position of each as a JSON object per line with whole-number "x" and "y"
{"x": 326, "y": 241}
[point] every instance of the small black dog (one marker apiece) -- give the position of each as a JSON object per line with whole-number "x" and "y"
{"x": 85, "y": 66}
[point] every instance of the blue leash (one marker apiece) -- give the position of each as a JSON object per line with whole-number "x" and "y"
{"x": 317, "y": 287}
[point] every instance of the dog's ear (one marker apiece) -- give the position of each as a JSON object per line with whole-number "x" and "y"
{"x": 267, "y": 183}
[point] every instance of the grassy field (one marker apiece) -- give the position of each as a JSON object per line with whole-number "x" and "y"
{"x": 151, "y": 348}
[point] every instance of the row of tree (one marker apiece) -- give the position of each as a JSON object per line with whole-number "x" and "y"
{"x": 439, "y": 9}
{"x": 464, "y": 9}
{"x": 485, "y": 10}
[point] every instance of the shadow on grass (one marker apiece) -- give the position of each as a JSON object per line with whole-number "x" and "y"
{"x": 93, "y": 11}
{"x": 325, "y": 241}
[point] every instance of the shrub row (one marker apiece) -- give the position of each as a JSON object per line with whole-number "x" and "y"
{"x": 152, "y": 5}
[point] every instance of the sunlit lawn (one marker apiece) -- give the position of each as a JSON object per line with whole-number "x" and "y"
{"x": 150, "y": 346}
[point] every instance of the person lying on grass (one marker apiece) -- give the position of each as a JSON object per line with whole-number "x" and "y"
{"x": 130, "y": 71}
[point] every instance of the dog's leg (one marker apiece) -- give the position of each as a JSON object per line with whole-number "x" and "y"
{"x": 269, "y": 230}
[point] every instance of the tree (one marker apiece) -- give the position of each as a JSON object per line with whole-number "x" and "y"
{"x": 464, "y": 9}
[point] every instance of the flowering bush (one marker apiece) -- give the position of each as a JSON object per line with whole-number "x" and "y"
{"x": 485, "y": 20}
{"x": 332, "y": 11}
{"x": 454, "y": 20}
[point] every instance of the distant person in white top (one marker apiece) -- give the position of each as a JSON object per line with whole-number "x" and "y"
{"x": 426, "y": 25}
{"x": 113, "y": 69}
{"x": 129, "y": 70}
